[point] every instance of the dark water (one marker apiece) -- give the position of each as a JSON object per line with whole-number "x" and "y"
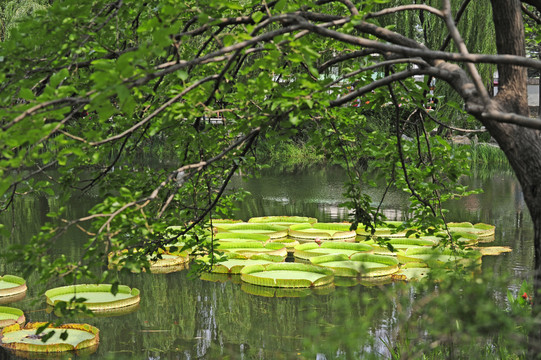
{"x": 184, "y": 318}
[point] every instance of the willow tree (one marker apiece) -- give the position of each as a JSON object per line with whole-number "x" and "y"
{"x": 89, "y": 88}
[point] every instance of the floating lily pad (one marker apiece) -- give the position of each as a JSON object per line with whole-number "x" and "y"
{"x": 308, "y": 250}
{"x": 163, "y": 263}
{"x": 283, "y": 220}
{"x": 439, "y": 256}
{"x": 480, "y": 229}
{"x": 228, "y": 236}
{"x": 247, "y": 249}
{"x": 273, "y": 231}
{"x": 322, "y": 231}
{"x": 364, "y": 265}
{"x": 98, "y": 296}
{"x": 412, "y": 271}
{"x": 387, "y": 229}
{"x": 226, "y": 221}
{"x": 24, "y": 339}
{"x": 235, "y": 265}
{"x": 289, "y": 275}
{"x": 492, "y": 250}
{"x": 288, "y": 243}
{"x": 10, "y": 316}
{"x": 397, "y": 244}
{"x": 375, "y": 265}
{"x": 12, "y": 288}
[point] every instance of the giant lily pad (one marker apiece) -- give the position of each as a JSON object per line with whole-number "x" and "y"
{"x": 397, "y": 244}
{"x": 247, "y": 249}
{"x": 364, "y": 265}
{"x": 322, "y": 231}
{"x": 288, "y": 275}
{"x": 492, "y": 250}
{"x": 288, "y": 243}
{"x": 226, "y": 221}
{"x": 308, "y": 250}
{"x": 231, "y": 236}
{"x": 10, "y": 316}
{"x": 375, "y": 265}
{"x": 98, "y": 296}
{"x": 412, "y": 271}
{"x": 235, "y": 265}
{"x": 480, "y": 229}
{"x": 12, "y": 288}
{"x": 273, "y": 231}
{"x": 24, "y": 339}
{"x": 164, "y": 262}
{"x": 387, "y": 229}
{"x": 439, "y": 256}
{"x": 282, "y": 220}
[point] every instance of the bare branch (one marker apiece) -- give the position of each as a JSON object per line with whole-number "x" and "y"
{"x": 405, "y": 8}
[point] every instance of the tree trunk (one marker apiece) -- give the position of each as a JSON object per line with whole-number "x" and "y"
{"x": 522, "y": 146}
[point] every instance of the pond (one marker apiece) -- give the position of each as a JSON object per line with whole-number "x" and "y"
{"x": 184, "y": 318}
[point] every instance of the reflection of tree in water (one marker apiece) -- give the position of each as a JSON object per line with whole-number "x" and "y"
{"x": 205, "y": 323}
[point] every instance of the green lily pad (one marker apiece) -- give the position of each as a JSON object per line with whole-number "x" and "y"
{"x": 12, "y": 288}
{"x": 322, "y": 231}
{"x": 235, "y": 265}
{"x": 238, "y": 237}
{"x": 289, "y": 275}
{"x": 10, "y": 316}
{"x": 309, "y": 250}
{"x": 247, "y": 249}
{"x": 80, "y": 336}
{"x": 98, "y": 296}
{"x": 387, "y": 229}
{"x": 376, "y": 265}
{"x": 282, "y": 220}
{"x": 273, "y": 231}
{"x": 364, "y": 265}
{"x": 440, "y": 256}
{"x": 398, "y": 244}
{"x": 412, "y": 271}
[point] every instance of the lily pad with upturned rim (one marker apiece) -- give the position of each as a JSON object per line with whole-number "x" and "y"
{"x": 273, "y": 231}
{"x": 364, "y": 265}
{"x": 282, "y": 220}
{"x": 479, "y": 229}
{"x": 80, "y": 336}
{"x": 376, "y": 265}
{"x": 412, "y": 271}
{"x": 98, "y": 296}
{"x": 238, "y": 237}
{"x": 12, "y": 288}
{"x": 248, "y": 249}
{"x": 399, "y": 244}
{"x": 322, "y": 231}
{"x": 440, "y": 256}
{"x": 387, "y": 229}
{"x": 235, "y": 264}
{"x": 288, "y": 275}
{"x": 10, "y": 316}
{"x": 159, "y": 264}
{"x": 312, "y": 249}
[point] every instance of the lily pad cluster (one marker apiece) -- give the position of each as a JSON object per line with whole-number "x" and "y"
{"x": 368, "y": 258}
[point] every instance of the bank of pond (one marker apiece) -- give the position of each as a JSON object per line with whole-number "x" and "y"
{"x": 274, "y": 256}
